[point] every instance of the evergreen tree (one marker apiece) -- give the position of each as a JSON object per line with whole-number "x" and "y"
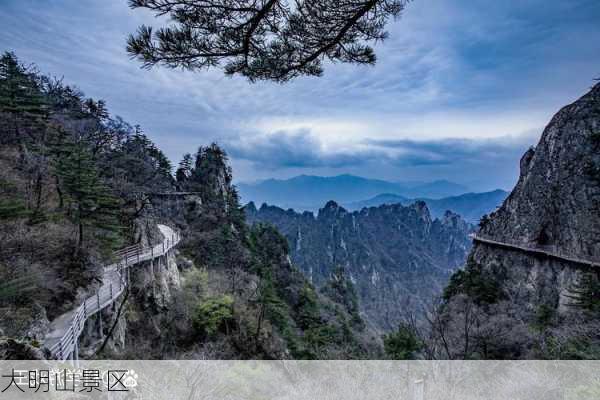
{"x": 89, "y": 203}
{"x": 149, "y": 158}
{"x": 308, "y": 308}
{"x": 402, "y": 344}
{"x": 185, "y": 169}
{"x": 270, "y": 39}
{"x": 23, "y": 108}
{"x": 340, "y": 289}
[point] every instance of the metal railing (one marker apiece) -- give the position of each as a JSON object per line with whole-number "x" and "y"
{"x": 114, "y": 283}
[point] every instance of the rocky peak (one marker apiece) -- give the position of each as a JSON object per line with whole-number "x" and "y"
{"x": 250, "y": 207}
{"x": 331, "y": 210}
{"x": 556, "y": 201}
{"x": 396, "y": 256}
{"x": 420, "y": 207}
{"x": 543, "y": 304}
{"x": 454, "y": 220}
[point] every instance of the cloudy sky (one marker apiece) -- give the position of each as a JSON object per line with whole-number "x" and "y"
{"x": 460, "y": 90}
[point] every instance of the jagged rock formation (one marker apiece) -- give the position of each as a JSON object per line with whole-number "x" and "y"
{"x": 397, "y": 257}
{"x": 470, "y": 206}
{"x": 511, "y": 304}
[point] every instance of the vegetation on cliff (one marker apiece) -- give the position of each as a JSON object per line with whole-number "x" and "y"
{"x": 76, "y": 184}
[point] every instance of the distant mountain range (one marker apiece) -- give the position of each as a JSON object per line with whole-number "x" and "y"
{"x": 470, "y": 206}
{"x": 306, "y": 192}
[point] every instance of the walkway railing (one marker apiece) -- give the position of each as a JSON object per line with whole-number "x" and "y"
{"x": 115, "y": 281}
{"x": 540, "y": 251}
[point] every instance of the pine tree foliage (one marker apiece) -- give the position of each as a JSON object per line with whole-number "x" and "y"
{"x": 22, "y": 104}
{"x": 89, "y": 202}
{"x": 403, "y": 344}
{"x": 185, "y": 169}
{"x": 262, "y": 40}
{"x": 340, "y": 289}
{"x": 142, "y": 163}
{"x": 308, "y": 308}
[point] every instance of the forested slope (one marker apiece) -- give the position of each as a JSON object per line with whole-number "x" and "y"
{"x": 77, "y": 184}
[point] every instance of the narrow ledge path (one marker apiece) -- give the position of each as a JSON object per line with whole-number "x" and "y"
{"x": 537, "y": 251}
{"x": 63, "y": 337}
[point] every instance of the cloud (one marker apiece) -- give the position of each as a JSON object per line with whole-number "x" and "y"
{"x": 297, "y": 149}
{"x": 303, "y": 149}
{"x": 455, "y": 150}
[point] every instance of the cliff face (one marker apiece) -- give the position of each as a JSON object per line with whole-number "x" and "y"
{"x": 556, "y": 201}
{"x": 519, "y": 304}
{"x": 397, "y": 257}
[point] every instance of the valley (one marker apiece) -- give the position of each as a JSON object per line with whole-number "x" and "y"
{"x": 398, "y": 257}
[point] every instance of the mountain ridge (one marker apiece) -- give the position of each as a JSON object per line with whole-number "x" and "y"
{"x": 397, "y": 256}
{"x": 310, "y": 191}
{"x": 471, "y": 206}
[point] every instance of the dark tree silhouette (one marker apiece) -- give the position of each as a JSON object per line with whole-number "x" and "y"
{"x": 262, "y": 39}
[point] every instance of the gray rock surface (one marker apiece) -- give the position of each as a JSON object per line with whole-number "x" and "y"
{"x": 398, "y": 258}
{"x": 556, "y": 201}
{"x": 522, "y": 305}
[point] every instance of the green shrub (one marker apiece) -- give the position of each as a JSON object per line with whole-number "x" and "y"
{"x": 483, "y": 287}
{"x": 196, "y": 281}
{"x": 402, "y": 344}
{"x": 308, "y": 314}
{"x": 213, "y": 314}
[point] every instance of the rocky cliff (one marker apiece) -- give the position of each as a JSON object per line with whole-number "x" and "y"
{"x": 511, "y": 303}
{"x": 398, "y": 257}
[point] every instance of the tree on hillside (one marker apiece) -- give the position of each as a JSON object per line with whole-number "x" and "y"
{"x": 403, "y": 344}
{"x": 141, "y": 165}
{"x": 23, "y": 107}
{"x": 262, "y": 39}
{"x": 340, "y": 289}
{"x": 185, "y": 169}
{"x": 89, "y": 203}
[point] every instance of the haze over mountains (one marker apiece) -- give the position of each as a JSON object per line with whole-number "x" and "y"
{"x": 307, "y": 192}
{"x": 310, "y": 193}
{"x": 470, "y": 206}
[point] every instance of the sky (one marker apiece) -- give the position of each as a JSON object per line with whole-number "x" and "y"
{"x": 460, "y": 89}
